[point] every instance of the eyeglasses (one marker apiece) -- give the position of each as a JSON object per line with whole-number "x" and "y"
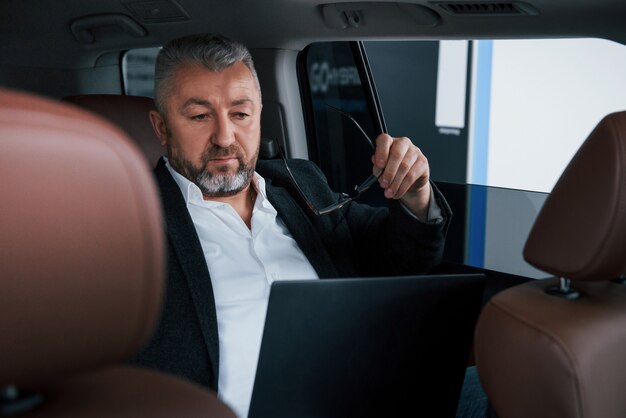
{"x": 345, "y": 198}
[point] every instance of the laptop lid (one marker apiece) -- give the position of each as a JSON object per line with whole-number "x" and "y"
{"x": 367, "y": 347}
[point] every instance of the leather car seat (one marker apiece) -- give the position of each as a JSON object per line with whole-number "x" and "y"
{"x": 130, "y": 113}
{"x": 82, "y": 256}
{"x": 555, "y": 347}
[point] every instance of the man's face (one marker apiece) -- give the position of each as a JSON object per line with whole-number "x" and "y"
{"x": 212, "y": 129}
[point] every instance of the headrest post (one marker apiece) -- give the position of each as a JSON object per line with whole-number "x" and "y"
{"x": 564, "y": 290}
{"x": 14, "y": 402}
{"x": 620, "y": 280}
{"x": 9, "y": 392}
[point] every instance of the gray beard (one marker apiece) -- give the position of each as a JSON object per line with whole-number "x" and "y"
{"x": 220, "y": 185}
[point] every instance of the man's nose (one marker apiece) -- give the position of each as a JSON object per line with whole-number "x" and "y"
{"x": 223, "y": 135}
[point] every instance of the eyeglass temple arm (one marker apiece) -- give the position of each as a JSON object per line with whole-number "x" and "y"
{"x": 349, "y": 116}
{"x": 295, "y": 183}
{"x": 373, "y": 178}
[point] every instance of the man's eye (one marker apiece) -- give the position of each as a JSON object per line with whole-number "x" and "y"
{"x": 200, "y": 117}
{"x": 241, "y": 115}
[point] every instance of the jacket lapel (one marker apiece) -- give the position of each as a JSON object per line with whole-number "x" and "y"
{"x": 188, "y": 253}
{"x": 302, "y": 230}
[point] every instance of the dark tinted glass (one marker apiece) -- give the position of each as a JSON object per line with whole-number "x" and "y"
{"x": 341, "y": 153}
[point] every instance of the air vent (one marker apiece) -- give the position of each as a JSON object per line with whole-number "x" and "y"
{"x": 487, "y": 8}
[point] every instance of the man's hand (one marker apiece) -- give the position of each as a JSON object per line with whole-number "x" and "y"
{"x": 406, "y": 173}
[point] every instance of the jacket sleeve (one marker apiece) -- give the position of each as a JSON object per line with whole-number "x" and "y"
{"x": 391, "y": 241}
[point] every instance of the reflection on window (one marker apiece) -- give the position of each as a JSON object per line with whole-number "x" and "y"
{"x": 433, "y": 115}
{"x": 342, "y": 153}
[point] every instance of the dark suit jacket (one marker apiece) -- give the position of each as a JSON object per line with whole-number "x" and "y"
{"x": 356, "y": 241}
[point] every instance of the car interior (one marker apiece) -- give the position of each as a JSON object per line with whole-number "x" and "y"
{"x": 542, "y": 213}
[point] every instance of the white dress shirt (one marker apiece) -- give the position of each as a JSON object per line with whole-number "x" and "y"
{"x": 242, "y": 263}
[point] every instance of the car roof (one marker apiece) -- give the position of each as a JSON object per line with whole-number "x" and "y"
{"x": 49, "y": 34}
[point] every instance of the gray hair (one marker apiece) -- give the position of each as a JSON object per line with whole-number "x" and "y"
{"x": 214, "y": 52}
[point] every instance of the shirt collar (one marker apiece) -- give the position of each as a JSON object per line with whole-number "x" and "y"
{"x": 193, "y": 195}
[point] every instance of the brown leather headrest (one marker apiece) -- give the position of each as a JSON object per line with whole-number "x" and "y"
{"x": 580, "y": 233}
{"x": 82, "y": 248}
{"x": 130, "y": 113}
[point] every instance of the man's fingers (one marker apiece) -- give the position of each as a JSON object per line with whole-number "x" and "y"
{"x": 405, "y": 167}
{"x": 415, "y": 179}
{"x": 397, "y": 154}
{"x": 401, "y": 157}
{"x": 381, "y": 155}
{"x": 399, "y": 171}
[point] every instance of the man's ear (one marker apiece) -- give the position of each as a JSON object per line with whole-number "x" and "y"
{"x": 159, "y": 126}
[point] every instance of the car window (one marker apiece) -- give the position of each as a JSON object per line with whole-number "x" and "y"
{"x": 498, "y": 121}
{"x": 138, "y": 71}
{"x": 336, "y": 85}
{"x": 504, "y": 113}
{"x": 431, "y": 113}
